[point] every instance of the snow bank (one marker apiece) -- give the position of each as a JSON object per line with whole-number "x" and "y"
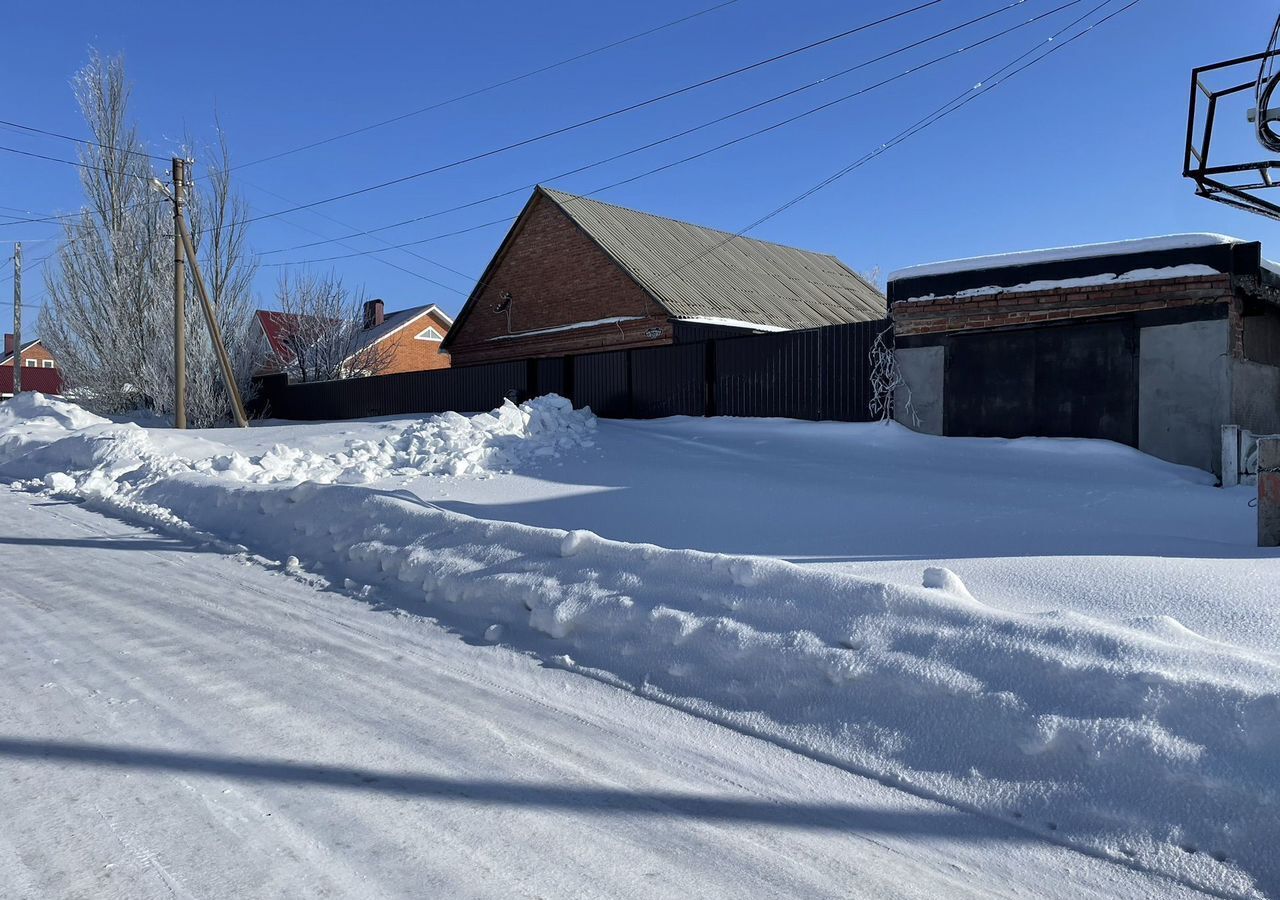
{"x": 32, "y": 419}
{"x": 31, "y": 409}
{"x": 449, "y": 444}
{"x": 1148, "y": 744}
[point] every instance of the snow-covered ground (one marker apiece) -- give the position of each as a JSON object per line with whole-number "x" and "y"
{"x": 175, "y": 722}
{"x": 1094, "y": 664}
{"x": 1030, "y": 525}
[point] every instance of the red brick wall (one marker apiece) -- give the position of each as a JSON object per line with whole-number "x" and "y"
{"x": 556, "y": 276}
{"x": 412, "y": 355}
{"x": 950, "y": 314}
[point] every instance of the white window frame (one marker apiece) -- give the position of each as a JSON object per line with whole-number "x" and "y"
{"x": 31, "y": 363}
{"x": 46, "y": 364}
{"x": 433, "y": 335}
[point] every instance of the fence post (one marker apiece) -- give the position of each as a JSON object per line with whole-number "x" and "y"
{"x": 1269, "y": 492}
{"x": 1230, "y": 455}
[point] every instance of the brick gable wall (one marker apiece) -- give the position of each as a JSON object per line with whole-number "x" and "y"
{"x": 948, "y": 314}
{"x": 412, "y": 355}
{"x": 557, "y": 276}
{"x": 37, "y": 353}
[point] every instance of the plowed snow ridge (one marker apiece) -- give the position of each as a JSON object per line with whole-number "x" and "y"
{"x": 1150, "y": 746}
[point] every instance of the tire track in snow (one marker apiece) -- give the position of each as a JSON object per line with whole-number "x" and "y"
{"x": 251, "y": 614}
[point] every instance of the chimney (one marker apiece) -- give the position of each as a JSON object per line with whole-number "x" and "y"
{"x": 372, "y": 314}
{"x": 8, "y": 344}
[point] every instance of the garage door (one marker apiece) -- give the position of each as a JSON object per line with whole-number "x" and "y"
{"x": 1056, "y": 381}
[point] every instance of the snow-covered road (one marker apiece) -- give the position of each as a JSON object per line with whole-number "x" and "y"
{"x": 176, "y": 722}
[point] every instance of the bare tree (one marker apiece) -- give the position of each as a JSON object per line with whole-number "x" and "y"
{"x": 109, "y": 319}
{"x": 323, "y": 329}
{"x": 109, "y": 272}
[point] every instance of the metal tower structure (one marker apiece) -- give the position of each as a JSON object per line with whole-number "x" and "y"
{"x": 1221, "y": 168}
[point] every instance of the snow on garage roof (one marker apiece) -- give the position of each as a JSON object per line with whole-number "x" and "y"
{"x": 1059, "y": 254}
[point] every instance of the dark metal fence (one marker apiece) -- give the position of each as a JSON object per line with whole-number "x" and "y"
{"x": 820, "y": 373}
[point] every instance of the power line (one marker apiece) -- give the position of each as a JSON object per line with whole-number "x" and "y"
{"x": 505, "y": 220}
{"x": 69, "y": 162}
{"x": 70, "y": 218}
{"x": 387, "y": 262}
{"x": 688, "y": 131}
{"x": 733, "y": 141}
{"x": 48, "y": 218}
{"x": 611, "y": 114}
{"x": 76, "y": 140}
{"x": 336, "y": 221}
{"x": 937, "y": 115}
{"x": 498, "y": 84}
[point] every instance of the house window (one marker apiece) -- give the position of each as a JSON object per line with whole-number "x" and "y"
{"x": 428, "y": 334}
{"x": 48, "y": 364}
{"x": 30, "y": 362}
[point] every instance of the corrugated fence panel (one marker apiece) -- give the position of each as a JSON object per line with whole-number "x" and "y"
{"x": 847, "y": 379}
{"x": 821, "y": 373}
{"x": 600, "y": 380}
{"x": 698, "y": 332}
{"x": 465, "y": 389}
{"x": 770, "y": 375}
{"x": 476, "y": 388}
{"x": 549, "y": 375}
{"x": 669, "y": 381}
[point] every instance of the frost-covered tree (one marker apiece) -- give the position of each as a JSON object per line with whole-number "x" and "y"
{"x": 109, "y": 317}
{"x": 323, "y": 329}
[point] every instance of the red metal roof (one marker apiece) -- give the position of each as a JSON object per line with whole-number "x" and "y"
{"x": 277, "y": 326}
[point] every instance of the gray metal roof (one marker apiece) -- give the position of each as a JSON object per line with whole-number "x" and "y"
{"x": 697, "y": 272}
{"x": 390, "y": 322}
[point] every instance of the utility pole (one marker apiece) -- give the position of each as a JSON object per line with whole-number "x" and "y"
{"x": 17, "y": 318}
{"x": 215, "y": 333}
{"x": 179, "y": 302}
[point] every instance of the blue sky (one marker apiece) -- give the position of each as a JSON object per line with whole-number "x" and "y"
{"x": 1083, "y": 147}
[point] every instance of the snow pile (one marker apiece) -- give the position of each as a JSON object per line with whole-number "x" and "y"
{"x": 1146, "y": 744}
{"x": 31, "y": 409}
{"x": 32, "y": 418}
{"x": 447, "y": 444}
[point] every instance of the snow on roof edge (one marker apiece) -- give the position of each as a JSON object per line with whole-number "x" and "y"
{"x": 1059, "y": 254}
{"x": 731, "y": 323}
{"x": 573, "y": 326}
{"x": 1188, "y": 270}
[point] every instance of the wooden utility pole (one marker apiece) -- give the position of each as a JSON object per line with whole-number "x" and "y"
{"x": 179, "y": 302}
{"x": 215, "y": 333}
{"x": 17, "y": 318}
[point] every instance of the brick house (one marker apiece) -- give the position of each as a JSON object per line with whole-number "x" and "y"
{"x": 40, "y": 369}
{"x": 411, "y": 338}
{"x": 575, "y": 275}
{"x": 1154, "y": 343}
